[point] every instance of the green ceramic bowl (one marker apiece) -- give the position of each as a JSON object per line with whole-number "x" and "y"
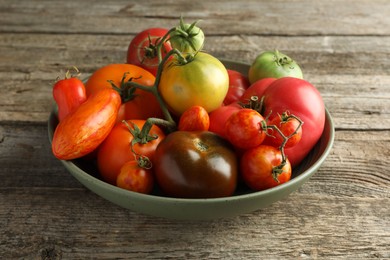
{"x": 243, "y": 201}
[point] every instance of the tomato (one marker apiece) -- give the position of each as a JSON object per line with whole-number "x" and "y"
{"x": 256, "y": 89}
{"x": 257, "y": 167}
{"x": 302, "y": 99}
{"x": 289, "y": 126}
{"x": 273, "y": 64}
{"x": 135, "y": 178}
{"x": 219, "y": 117}
{"x": 135, "y": 108}
{"x": 187, "y": 38}
{"x": 85, "y": 129}
{"x": 246, "y": 128}
{"x": 238, "y": 83}
{"x": 69, "y": 93}
{"x": 204, "y": 81}
{"x": 117, "y": 149}
{"x": 195, "y": 118}
{"x": 142, "y": 50}
{"x": 195, "y": 165}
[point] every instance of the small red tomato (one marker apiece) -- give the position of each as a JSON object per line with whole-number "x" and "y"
{"x": 69, "y": 93}
{"x": 195, "y": 118}
{"x": 219, "y": 117}
{"x": 290, "y": 126}
{"x": 261, "y": 168}
{"x": 143, "y": 52}
{"x": 85, "y": 129}
{"x": 245, "y": 128}
{"x": 135, "y": 178}
{"x": 238, "y": 83}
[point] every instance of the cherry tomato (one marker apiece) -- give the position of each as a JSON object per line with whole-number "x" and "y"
{"x": 273, "y": 64}
{"x": 238, "y": 83}
{"x": 204, "y": 81}
{"x": 245, "y": 128}
{"x": 195, "y": 118}
{"x": 289, "y": 126}
{"x": 257, "y": 166}
{"x": 135, "y": 178}
{"x": 117, "y": 149}
{"x": 195, "y": 165}
{"x": 69, "y": 93}
{"x": 135, "y": 108}
{"x": 142, "y": 50}
{"x": 219, "y": 117}
{"x": 83, "y": 130}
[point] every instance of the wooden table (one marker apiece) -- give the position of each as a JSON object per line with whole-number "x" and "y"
{"x": 343, "y": 212}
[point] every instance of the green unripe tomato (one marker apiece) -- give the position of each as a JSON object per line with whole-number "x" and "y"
{"x": 187, "y": 38}
{"x": 273, "y": 64}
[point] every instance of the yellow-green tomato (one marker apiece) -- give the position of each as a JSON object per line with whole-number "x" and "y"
{"x": 203, "y": 81}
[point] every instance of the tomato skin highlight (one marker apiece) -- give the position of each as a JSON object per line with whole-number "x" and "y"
{"x": 195, "y": 118}
{"x": 82, "y": 131}
{"x": 137, "y": 54}
{"x": 135, "y": 178}
{"x": 69, "y": 94}
{"x": 256, "y": 166}
{"x": 204, "y": 81}
{"x": 196, "y": 165}
{"x": 135, "y": 108}
{"x": 115, "y": 150}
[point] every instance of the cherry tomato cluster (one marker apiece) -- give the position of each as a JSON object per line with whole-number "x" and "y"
{"x": 174, "y": 119}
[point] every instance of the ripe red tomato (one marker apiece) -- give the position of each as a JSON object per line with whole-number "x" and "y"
{"x": 116, "y": 149}
{"x": 195, "y": 118}
{"x": 135, "y": 108}
{"x": 69, "y": 93}
{"x": 257, "y": 167}
{"x": 256, "y": 89}
{"x": 289, "y": 126}
{"x": 298, "y": 97}
{"x": 219, "y": 117}
{"x": 135, "y": 178}
{"x": 196, "y": 165}
{"x": 142, "y": 50}
{"x": 238, "y": 83}
{"x": 245, "y": 128}
{"x": 82, "y": 131}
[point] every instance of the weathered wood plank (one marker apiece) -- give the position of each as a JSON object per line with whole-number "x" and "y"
{"x": 301, "y": 226}
{"x": 218, "y": 17}
{"x": 354, "y": 82}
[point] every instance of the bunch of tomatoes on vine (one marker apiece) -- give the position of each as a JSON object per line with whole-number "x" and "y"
{"x": 174, "y": 118}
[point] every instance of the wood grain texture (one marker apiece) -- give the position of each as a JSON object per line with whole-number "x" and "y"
{"x": 342, "y": 212}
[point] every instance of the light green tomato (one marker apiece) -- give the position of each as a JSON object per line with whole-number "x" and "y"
{"x": 273, "y": 64}
{"x": 204, "y": 81}
{"x": 187, "y": 38}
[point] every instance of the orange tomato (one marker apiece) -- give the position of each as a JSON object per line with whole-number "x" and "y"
{"x": 82, "y": 131}
{"x": 143, "y": 105}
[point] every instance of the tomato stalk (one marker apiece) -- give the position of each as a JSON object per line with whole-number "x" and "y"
{"x": 285, "y": 116}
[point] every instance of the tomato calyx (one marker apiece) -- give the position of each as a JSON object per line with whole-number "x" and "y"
{"x": 283, "y": 60}
{"x": 126, "y": 91}
{"x": 254, "y": 103}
